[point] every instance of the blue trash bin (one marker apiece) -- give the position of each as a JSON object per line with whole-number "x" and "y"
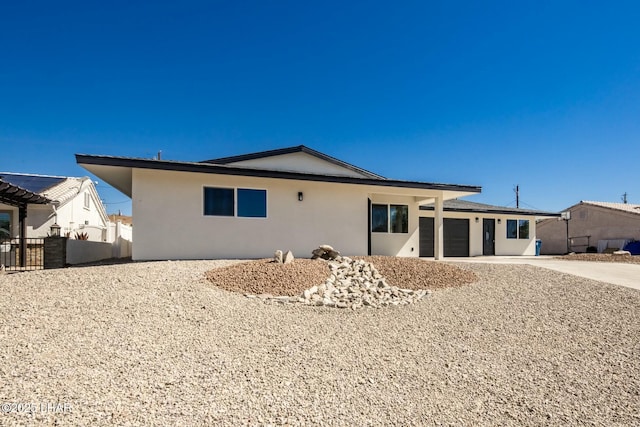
{"x": 538, "y": 246}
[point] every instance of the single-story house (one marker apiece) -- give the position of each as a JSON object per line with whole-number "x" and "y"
{"x": 294, "y": 198}
{"x": 72, "y": 203}
{"x": 596, "y": 225}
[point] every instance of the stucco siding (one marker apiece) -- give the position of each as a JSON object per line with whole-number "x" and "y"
{"x": 298, "y": 162}
{"x": 587, "y": 220}
{"x": 503, "y": 246}
{"x": 175, "y": 226}
{"x": 397, "y": 244}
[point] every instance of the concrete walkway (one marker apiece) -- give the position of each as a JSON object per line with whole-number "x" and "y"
{"x": 616, "y": 273}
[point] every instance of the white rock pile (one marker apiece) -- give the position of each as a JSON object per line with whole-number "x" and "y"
{"x": 354, "y": 284}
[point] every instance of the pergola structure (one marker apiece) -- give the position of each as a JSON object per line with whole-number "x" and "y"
{"x": 19, "y": 197}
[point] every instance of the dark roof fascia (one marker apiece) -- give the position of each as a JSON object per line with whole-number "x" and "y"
{"x": 130, "y": 162}
{"x": 498, "y": 210}
{"x": 17, "y": 196}
{"x": 289, "y": 150}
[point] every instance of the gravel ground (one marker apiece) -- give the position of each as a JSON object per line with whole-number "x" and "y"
{"x": 266, "y": 277}
{"x": 634, "y": 259}
{"x": 156, "y": 344}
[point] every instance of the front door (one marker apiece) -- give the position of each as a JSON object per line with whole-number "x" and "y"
{"x": 489, "y": 236}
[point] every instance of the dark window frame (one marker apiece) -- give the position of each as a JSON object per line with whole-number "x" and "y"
{"x": 389, "y": 225}
{"x": 376, "y": 225}
{"x": 516, "y": 229}
{"x": 402, "y": 222}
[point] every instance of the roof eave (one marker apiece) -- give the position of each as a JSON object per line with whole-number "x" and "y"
{"x": 496, "y": 211}
{"x": 243, "y": 171}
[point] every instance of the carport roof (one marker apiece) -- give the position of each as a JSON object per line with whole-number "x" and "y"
{"x": 17, "y": 196}
{"x": 457, "y": 205}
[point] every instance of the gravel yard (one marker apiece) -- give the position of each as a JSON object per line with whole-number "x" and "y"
{"x": 155, "y": 343}
{"x": 266, "y": 277}
{"x": 633, "y": 259}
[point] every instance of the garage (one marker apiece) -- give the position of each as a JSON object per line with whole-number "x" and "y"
{"x": 455, "y": 237}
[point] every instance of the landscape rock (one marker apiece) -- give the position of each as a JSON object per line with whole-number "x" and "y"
{"x": 622, "y": 253}
{"x": 354, "y": 284}
{"x": 277, "y": 256}
{"x": 325, "y": 252}
{"x": 288, "y": 257}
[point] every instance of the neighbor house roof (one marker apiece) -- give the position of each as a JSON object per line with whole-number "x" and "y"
{"x": 54, "y": 190}
{"x": 457, "y": 205}
{"x": 624, "y": 207}
{"x": 14, "y": 195}
{"x": 58, "y": 189}
{"x": 31, "y": 182}
{"x": 290, "y": 150}
{"x": 124, "y": 183}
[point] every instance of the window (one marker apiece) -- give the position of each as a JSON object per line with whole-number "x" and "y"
{"x": 523, "y": 229}
{"x": 252, "y": 203}
{"x": 222, "y": 202}
{"x": 5, "y": 224}
{"x": 218, "y": 201}
{"x": 394, "y": 217}
{"x": 87, "y": 201}
{"x": 517, "y": 229}
{"x": 399, "y": 218}
{"x": 379, "y": 218}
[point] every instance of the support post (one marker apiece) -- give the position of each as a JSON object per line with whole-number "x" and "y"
{"x": 22, "y": 221}
{"x": 438, "y": 229}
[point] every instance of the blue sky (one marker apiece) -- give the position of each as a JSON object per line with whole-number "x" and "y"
{"x": 544, "y": 94}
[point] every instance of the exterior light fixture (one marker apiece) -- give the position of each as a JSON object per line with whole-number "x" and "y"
{"x": 55, "y": 230}
{"x": 477, "y": 220}
{"x": 300, "y": 196}
{"x": 499, "y": 221}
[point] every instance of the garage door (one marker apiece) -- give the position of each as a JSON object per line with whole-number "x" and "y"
{"x": 456, "y": 237}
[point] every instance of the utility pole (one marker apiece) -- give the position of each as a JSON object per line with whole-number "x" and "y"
{"x": 624, "y": 198}
{"x": 517, "y": 196}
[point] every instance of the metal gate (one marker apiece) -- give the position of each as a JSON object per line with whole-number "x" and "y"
{"x": 13, "y": 258}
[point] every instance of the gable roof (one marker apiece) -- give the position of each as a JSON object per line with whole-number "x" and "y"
{"x": 624, "y": 207}
{"x": 128, "y": 163}
{"x": 290, "y": 150}
{"x": 457, "y": 205}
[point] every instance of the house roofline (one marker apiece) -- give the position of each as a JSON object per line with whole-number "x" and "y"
{"x": 179, "y": 166}
{"x": 290, "y": 150}
{"x": 498, "y": 210}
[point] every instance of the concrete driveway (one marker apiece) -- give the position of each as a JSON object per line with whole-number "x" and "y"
{"x": 616, "y": 273}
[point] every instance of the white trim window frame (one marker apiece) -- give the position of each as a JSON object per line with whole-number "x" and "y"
{"x": 233, "y": 210}
{"x": 87, "y": 201}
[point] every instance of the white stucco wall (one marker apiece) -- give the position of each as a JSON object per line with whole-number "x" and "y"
{"x": 503, "y": 246}
{"x": 71, "y": 216}
{"x": 397, "y": 244}
{"x": 299, "y": 162}
{"x": 170, "y": 224}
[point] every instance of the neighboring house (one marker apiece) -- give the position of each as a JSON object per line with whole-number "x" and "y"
{"x": 599, "y": 225}
{"x": 72, "y": 203}
{"x": 125, "y": 219}
{"x": 473, "y": 229}
{"x": 294, "y": 198}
